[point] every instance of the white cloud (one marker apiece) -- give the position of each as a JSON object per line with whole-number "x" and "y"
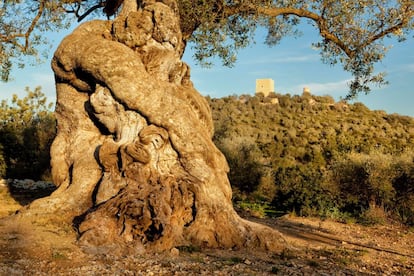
{"x": 7, "y": 90}
{"x": 408, "y": 68}
{"x": 337, "y": 88}
{"x": 400, "y": 68}
{"x": 282, "y": 59}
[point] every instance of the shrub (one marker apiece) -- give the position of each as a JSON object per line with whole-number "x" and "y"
{"x": 375, "y": 186}
{"x": 301, "y": 189}
{"x": 404, "y": 189}
{"x": 3, "y": 165}
{"x": 364, "y": 181}
{"x": 243, "y": 159}
{"x": 373, "y": 216}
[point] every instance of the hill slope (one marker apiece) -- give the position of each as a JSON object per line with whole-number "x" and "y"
{"x": 312, "y": 155}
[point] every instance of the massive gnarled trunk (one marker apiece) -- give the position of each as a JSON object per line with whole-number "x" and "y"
{"x": 133, "y": 157}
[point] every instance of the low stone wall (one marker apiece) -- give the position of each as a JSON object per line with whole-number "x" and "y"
{"x": 27, "y": 184}
{"x": 25, "y": 191}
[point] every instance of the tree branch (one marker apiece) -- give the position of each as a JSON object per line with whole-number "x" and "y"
{"x": 12, "y": 38}
{"x": 408, "y": 14}
{"x": 34, "y": 22}
{"x": 81, "y": 17}
{"x": 274, "y": 12}
{"x": 75, "y": 11}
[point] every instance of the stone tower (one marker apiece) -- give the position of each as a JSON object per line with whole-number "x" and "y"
{"x": 265, "y": 86}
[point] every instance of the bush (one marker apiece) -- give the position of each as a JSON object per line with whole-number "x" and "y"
{"x": 375, "y": 186}
{"x": 374, "y": 216}
{"x": 369, "y": 188}
{"x": 404, "y": 189}
{"x": 3, "y": 165}
{"x": 301, "y": 189}
{"x": 245, "y": 171}
{"x": 364, "y": 181}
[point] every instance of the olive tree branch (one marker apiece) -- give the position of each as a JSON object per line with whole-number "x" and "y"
{"x": 405, "y": 18}
{"x": 277, "y": 11}
{"x": 12, "y": 38}
{"x": 33, "y": 23}
{"x": 321, "y": 22}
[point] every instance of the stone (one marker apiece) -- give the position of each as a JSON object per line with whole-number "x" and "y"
{"x": 174, "y": 252}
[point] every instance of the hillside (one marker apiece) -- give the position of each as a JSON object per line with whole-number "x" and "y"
{"x": 314, "y": 156}
{"x": 310, "y": 125}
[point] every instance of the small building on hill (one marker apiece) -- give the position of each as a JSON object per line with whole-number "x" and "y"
{"x": 265, "y": 86}
{"x": 306, "y": 91}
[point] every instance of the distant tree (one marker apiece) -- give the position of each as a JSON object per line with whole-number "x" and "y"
{"x": 27, "y": 129}
{"x": 352, "y": 31}
{"x": 22, "y": 113}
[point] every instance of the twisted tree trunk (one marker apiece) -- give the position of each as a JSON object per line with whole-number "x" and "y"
{"x": 133, "y": 157}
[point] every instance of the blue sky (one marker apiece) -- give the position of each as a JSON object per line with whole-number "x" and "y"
{"x": 292, "y": 64}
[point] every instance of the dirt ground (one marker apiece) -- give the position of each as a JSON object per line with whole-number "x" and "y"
{"x": 316, "y": 247}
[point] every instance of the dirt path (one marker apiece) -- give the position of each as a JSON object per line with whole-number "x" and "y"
{"x": 316, "y": 248}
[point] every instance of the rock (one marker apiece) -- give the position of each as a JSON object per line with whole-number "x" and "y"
{"x": 174, "y": 252}
{"x": 3, "y": 183}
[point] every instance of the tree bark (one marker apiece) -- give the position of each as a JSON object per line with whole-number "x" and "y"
{"x": 133, "y": 157}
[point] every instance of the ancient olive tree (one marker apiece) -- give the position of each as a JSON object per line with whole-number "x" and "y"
{"x": 133, "y": 158}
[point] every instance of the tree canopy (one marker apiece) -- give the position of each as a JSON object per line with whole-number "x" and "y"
{"x": 352, "y": 32}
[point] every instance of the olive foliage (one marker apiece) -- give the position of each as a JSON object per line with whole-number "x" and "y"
{"x": 352, "y": 32}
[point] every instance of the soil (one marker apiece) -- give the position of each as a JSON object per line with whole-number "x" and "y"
{"x": 316, "y": 247}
